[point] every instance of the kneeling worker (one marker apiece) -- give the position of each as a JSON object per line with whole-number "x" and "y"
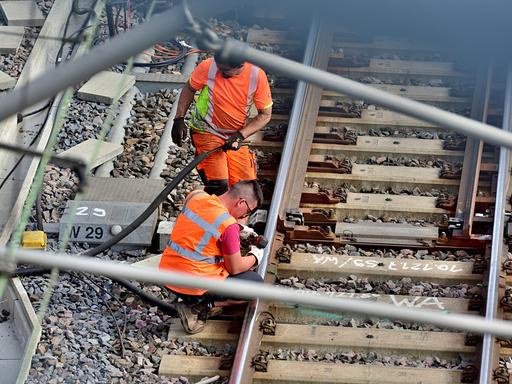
{"x": 205, "y": 242}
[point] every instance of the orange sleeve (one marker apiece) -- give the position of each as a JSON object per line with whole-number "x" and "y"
{"x": 262, "y": 96}
{"x": 199, "y": 76}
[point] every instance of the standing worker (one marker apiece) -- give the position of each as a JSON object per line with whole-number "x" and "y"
{"x": 205, "y": 242}
{"x": 229, "y": 89}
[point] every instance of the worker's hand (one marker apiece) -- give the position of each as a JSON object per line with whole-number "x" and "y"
{"x": 234, "y": 142}
{"x": 179, "y": 131}
{"x": 246, "y": 232}
{"x": 257, "y": 253}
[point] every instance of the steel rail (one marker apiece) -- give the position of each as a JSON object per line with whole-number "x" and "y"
{"x": 241, "y": 362}
{"x": 114, "y": 51}
{"x": 486, "y": 370}
{"x": 234, "y": 49}
{"x": 248, "y": 290}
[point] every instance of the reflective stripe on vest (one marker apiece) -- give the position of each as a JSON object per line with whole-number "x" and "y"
{"x": 194, "y": 256}
{"x": 252, "y": 88}
{"x": 191, "y": 195}
{"x": 210, "y": 84}
{"x": 210, "y": 230}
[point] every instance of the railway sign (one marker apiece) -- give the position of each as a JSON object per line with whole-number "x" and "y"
{"x": 98, "y": 221}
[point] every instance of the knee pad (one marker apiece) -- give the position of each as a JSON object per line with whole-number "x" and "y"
{"x": 216, "y": 187}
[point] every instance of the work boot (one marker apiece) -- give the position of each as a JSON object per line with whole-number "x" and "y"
{"x": 193, "y": 318}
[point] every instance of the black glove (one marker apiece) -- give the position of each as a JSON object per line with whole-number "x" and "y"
{"x": 236, "y": 138}
{"x": 179, "y": 131}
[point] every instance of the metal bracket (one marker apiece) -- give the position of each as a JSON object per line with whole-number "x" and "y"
{"x": 320, "y": 216}
{"x": 319, "y": 196}
{"x": 455, "y": 223}
{"x": 330, "y": 165}
{"x": 268, "y": 323}
{"x": 258, "y": 220}
{"x": 337, "y": 135}
{"x": 206, "y": 38}
{"x": 316, "y": 234}
{"x": 292, "y": 217}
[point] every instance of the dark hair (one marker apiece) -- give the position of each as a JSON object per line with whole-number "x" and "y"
{"x": 250, "y": 186}
{"x": 231, "y": 62}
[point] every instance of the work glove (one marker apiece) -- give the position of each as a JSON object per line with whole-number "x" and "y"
{"x": 234, "y": 142}
{"x": 179, "y": 131}
{"x": 246, "y": 232}
{"x": 257, "y": 253}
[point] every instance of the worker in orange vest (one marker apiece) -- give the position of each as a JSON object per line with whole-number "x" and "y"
{"x": 205, "y": 242}
{"x": 228, "y": 92}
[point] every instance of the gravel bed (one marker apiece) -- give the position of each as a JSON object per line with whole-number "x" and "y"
{"x": 416, "y": 191}
{"x": 59, "y": 186}
{"x": 407, "y": 162}
{"x": 421, "y": 254}
{"x": 84, "y": 120}
{"x": 143, "y": 132}
{"x": 388, "y": 160}
{"x": 365, "y": 358}
{"x": 404, "y": 286}
{"x": 398, "y": 132}
{"x": 178, "y": 158}
{"x": 377, "y": 323}
{"x": 44, "y": 6}
{"x": 362, "y": 59}
{"x": 13, "y": 64}
{"x": 80, "y": 343}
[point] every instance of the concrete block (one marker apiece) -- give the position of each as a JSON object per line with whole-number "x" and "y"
{"x": 121, "y": 189}
{"x": 105, "y": 86}
{"x": 149, "y": 262}
{"x": 102, "y": 151}
{"x": 164, "y": 231}
{"x": 6, "y": 81}
{"x": 10, "y": 39}
{"x": 23, "y": 13}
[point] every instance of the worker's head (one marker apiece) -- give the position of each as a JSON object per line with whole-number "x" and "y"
{"x": 228, "y": 67}
{"x": 244, "y": 198}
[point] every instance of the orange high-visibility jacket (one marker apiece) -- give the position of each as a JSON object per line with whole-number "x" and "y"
{"x": 224, "y": 104}
{"x": 192, "y": 247}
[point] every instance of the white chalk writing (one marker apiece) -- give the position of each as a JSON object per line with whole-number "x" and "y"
{"x": 391, "y": 265}
{"x": 399, "y": 301}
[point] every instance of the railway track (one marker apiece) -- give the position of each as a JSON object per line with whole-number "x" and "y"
{"x": 366, "y": 214}
{"x": 376, "y": 206}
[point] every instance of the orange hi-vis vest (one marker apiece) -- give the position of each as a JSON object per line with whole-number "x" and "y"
{"x": 228, "y": 104}
{"x": 192, "y": 247}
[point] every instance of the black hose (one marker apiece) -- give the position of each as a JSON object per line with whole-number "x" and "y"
{"x": 164, "y": 306}
{"x": 39, "y": 210}
{"x": 147, "y": 297}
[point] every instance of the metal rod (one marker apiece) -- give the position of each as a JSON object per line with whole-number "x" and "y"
{"x": 235, "y": 49}
{"x": 486, "y": 369}
{"x": 247, "y": 290}
{"x": 115, "y": 51}
{"x": 251, "y": 315}
{"x": 468, "y": 187}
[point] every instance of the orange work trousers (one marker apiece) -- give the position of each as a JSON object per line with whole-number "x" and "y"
{"x": 230, "y": 165}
